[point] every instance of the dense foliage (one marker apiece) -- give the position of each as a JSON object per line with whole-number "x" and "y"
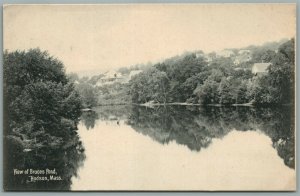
{"x": 41, "y": 109}
{"x": 88, "y": 94}
{"x": 194, "y": 79}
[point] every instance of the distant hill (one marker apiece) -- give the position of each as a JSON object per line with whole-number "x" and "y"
{"x": 239, "y": 56}
{"x": 268, "y": 45}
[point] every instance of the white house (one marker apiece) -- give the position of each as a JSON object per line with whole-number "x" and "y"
{"x": 260, "y": 68}
{"x": 110, "y": 77}
{"x": 225, "y": 53}
{"x": 242, "y": 58}
{"x": 244, "y": 52}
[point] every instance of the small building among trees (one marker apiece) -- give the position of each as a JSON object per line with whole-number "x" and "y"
{"x": 260, "y": 68}
{"x": 110, "y": 77}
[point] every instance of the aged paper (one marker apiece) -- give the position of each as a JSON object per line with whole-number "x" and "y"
{"x": 171, "y": 97}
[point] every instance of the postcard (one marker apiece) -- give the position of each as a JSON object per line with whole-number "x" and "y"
{"x": 149, "y": 97}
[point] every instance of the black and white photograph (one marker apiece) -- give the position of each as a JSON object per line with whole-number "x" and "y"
{"x": 149, "y": 97}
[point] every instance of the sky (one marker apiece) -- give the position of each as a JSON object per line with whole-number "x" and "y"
{"x": 102, "y": 37}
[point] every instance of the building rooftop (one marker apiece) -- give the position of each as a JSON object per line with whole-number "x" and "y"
{"x": 260, "y": 67}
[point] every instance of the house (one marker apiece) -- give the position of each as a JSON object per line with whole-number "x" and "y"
{"x": 241, "y": 52}
{"x": 128, "y": 77}
{"x": 242, "y": 56}
{"x": 241, "y": 59}
{"x": 260, "y": 68}
{"x": 225, "y": 53}
{"x": 110, "y": 77}
{"x": 236, "y": 61}
{"x": 199, "y": 54}
{"x": 209, "y": 57}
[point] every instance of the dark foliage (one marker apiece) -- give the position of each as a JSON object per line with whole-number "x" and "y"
{"x": 194, "y": 79}
{"x": 42, "y": 111}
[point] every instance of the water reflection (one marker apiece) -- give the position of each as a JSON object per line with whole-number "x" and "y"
{"x": 65, "y": 159}
{"x": 188, "y": 148}
{"x": 112, "y": 144}
{"x": 195, "y": 127}
{"x": 89, "y": 118}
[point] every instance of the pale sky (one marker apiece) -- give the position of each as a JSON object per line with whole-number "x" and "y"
{"x": 91, "y": 37}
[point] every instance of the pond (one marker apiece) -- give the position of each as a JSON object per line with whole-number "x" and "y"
{"x": 186, "y": 148}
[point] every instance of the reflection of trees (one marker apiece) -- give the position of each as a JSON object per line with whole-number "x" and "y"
{"x": 195, "y": 127}
{"x": 105, "y": 113}
{"x": 277, "y": 123}
{"x": 89, "y": 118}
{"x": 66, "y": 159}
{"x": 113, "y": 112}
{"x": 166, "y": 124}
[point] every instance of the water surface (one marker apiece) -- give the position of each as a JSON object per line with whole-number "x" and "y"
{"x": 187, "y": 148}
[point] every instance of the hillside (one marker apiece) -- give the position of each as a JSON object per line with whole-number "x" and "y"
{"x": 227, "y": 77}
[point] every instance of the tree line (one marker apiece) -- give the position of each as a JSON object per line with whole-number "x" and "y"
{"x": 193, "y": 79}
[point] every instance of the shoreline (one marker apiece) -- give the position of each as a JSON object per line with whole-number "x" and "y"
{"x": 186, "y": 104}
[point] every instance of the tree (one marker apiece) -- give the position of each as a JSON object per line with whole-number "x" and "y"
{"x": 150, "y": 85}
{"x": 38, "y": 98}
{"x": 241, "y": 92}
{"x": 208, "y": 92}
{"x": 22, "y": 68}
{"x": 281, "y": 72}
{"x": 88, "y": 94}
{"x": 259, "y": 91}
{"x": 277, "y": 87}
{"x": 188, "y": 78}
{"x": 268, "y": 55}
{"x": 42, "y": 110}
{"x": 179, "y": 70}
{"x": 263, "y": 55}
{"x": 226, "y": 92}
{"x": 73, "y": 77}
